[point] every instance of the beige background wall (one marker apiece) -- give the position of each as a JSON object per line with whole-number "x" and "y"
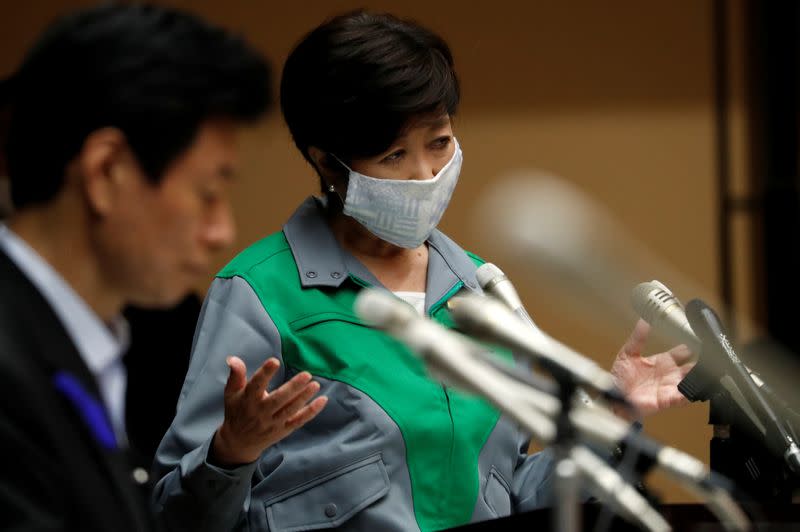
{"x": 616, "y": 97}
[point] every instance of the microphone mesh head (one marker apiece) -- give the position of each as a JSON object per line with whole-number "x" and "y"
{"x": 488, "y": 272}
{"x": 650, "y": 299}
{"x": 383, "y": 310}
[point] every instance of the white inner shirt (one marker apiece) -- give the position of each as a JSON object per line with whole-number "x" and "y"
{"x": 415, "y": 299}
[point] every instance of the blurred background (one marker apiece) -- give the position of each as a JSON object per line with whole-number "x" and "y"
{"x": 677, "y": 116}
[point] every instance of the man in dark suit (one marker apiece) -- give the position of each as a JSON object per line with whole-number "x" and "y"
{"x": 5, "y": 115}
{"x": 120, "y": 150}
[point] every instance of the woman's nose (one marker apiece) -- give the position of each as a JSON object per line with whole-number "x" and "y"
{"x": 426, "y": 169}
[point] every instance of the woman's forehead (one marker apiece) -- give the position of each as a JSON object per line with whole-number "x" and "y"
{"x": 427, "y": 121}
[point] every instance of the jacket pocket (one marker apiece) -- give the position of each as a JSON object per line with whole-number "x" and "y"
{"x": 496, "y": 494}
{"x": 329, "y": 500}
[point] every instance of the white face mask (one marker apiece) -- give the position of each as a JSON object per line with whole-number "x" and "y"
{"x": 403, "y": 212}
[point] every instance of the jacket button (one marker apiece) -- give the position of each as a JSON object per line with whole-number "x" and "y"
{"x": 140, "y": 476}
{"x": 311, "y": 275}
{"x": 336, "y": 275}
{"x": 330, "y": 510}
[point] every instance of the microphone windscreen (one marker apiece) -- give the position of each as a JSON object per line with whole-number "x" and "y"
{"x": 487, "y": 273}
{"x": 570, "y": 250}
{"x": 383, "y": 310}
{"x": 643, "y": 297}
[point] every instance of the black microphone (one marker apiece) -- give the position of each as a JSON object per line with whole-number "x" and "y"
{"x": 720, "y": 364}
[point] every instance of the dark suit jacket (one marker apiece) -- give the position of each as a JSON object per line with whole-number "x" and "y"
{"x": 160, "y": 338}
{"x": 57, "y": 471}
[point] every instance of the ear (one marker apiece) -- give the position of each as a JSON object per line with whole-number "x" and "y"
{"x": 101, "y": 166}
{"x": 329, "y": 168}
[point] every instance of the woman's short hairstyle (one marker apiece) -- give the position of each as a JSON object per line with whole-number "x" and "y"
{"x": 353, "y": 84}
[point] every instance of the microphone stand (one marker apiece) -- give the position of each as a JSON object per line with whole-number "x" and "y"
{"x": 567, "y": 516}
{"x": 574, "y": 460}
{"x": 547, "y": 419}
{"x": 452, "y": 356}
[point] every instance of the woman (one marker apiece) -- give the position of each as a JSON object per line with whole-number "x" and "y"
{"x": 369, "y": 101}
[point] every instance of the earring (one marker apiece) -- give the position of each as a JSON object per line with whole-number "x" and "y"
{"x": 331, "y": 189}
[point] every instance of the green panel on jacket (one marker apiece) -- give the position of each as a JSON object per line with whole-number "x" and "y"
{"x": 443, "y": 429}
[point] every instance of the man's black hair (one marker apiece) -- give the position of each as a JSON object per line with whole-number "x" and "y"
{"x": 155, "y": 73}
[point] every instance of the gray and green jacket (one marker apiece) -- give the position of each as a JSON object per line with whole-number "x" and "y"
{"x": 392, "y": 450}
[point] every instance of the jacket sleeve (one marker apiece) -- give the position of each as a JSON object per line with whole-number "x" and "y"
{"x": 532, "y": 484}
{"x": 30, "y": 479}
{"x": 190, "y": 493}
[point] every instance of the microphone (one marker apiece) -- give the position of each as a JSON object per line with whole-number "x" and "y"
{"x": 547, "y": 229}
{"x": 490, "y": 320}
{"x": 653, "y": 302}
{"x": 495, "y": 283}
{"x": 721, "y": 362}
{"x": 385, "y": 311}
{"x": 450, "y": 356}
{"x": 607, "y": 430}
{"x": 656, "y": 305}
{"x": 448, "y": 353}
{"x": 621, "y": 495}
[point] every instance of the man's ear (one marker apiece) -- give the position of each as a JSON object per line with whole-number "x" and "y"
{"x": 101, "y": 166}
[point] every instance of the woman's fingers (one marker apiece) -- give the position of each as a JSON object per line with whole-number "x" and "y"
{"x": 279, "y": 397}
{"x": 237, "y": 378}
{"x": 307, "y": 413}
{"x": 298, "y": 401}
{"x": 258, "y": 382}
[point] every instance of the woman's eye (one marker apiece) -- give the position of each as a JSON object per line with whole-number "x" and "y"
{"x": 394, "y": 157}
{"x": 442, "y": 142}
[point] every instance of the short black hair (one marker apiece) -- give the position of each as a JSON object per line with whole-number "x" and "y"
{"x": 353, "y": 84}
{"x": 153, "y": 72}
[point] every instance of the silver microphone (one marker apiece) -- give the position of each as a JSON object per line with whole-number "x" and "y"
{"x": 447, "y": 353}
{"x": 656, "y": 305}
{"x": 497, "y": 284}
{"x": 620, "y": 495}
{"x": 490, "y": 320}
{"x": 450, "y": 354}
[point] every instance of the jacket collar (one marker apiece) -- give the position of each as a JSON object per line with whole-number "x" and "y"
{"x": 322, "y": 262}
